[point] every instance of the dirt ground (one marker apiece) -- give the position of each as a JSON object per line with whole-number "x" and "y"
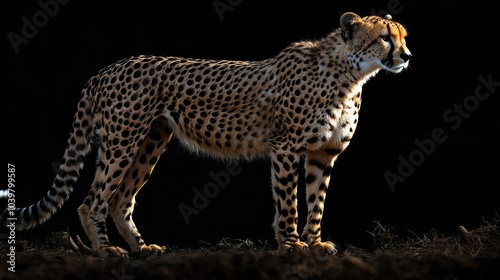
{"x": 471, "y": 254}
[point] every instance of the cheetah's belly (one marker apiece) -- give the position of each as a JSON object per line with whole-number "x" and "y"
{"x": 224, "y": 134}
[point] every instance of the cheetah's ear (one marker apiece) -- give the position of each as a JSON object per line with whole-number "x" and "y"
{"x": 348, "y": 22}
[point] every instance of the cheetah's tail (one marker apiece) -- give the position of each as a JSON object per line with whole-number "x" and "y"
{"x": 72, "y": 163}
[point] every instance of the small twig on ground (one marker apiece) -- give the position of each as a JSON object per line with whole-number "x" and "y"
{"x": 78, "y": 246}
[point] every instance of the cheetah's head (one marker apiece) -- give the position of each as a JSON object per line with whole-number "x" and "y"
{"x": 375, "y": 43}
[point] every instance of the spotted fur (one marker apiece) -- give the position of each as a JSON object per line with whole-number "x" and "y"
{"x": 303, "y": 101}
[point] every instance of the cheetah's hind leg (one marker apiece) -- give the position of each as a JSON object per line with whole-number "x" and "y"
{"x": 122, "y": 202}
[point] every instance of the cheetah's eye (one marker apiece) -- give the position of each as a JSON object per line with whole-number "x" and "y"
{"x": 385, "y": 38}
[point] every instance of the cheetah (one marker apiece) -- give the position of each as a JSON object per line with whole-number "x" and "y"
{"x": 304, "y": 101}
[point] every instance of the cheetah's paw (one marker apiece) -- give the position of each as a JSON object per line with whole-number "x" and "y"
{"x": 151, "y": 249}
{"x": 288, "y": 247}
{"x": 113, "y": 251}
{"x": 326, "y": 248}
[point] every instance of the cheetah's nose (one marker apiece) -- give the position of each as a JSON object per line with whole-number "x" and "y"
{"x": 405, "y": 56}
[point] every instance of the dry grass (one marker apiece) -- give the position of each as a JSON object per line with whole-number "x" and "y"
{"x": 470, "y": 254}
{"x": 476, "y": 243}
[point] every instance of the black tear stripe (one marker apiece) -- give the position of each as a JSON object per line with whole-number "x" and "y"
{"x": 389, "y": 61}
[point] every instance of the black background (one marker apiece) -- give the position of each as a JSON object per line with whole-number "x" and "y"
{"x": 453, "y": 43}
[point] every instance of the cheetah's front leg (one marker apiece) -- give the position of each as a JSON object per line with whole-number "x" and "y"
{"x": 284, "y": 181}
{"x": 319, "y": 165}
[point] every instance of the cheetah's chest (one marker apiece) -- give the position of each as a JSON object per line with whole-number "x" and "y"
{"x": 339, "y": 121}
{"x": 343, "y": 126}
